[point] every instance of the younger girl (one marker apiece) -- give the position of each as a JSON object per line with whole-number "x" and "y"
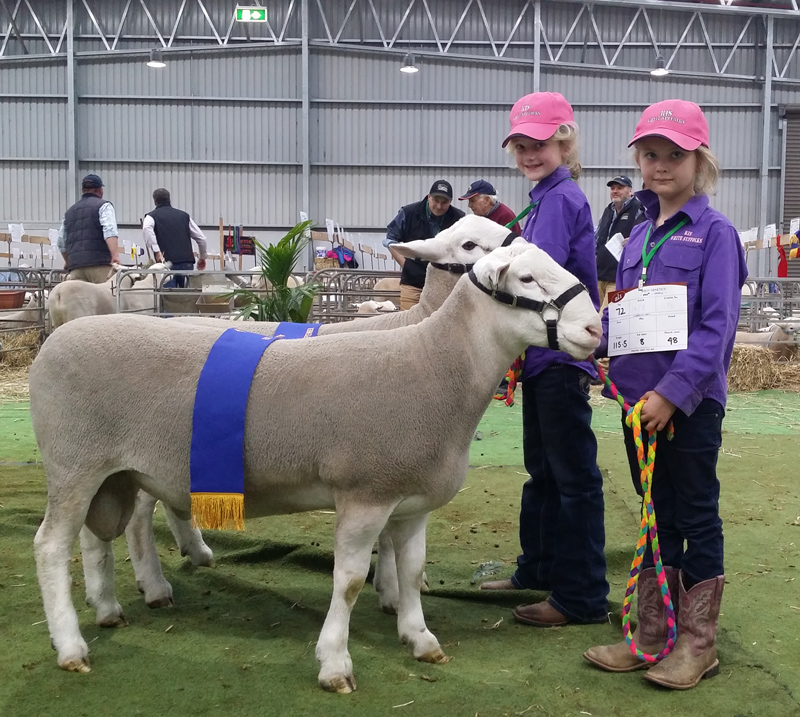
{"x": 561, "y": 524}
{"x": 684, "y": 241}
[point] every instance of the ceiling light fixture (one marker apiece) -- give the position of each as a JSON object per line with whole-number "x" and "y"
{"x": 155, "y": 59}
{"x": 408, "y": 65}
{"x": 660, "y": 70}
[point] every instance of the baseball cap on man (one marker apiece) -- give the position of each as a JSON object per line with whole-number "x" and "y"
{"x": 92, "y": 180}
{"x": 441, "y": 188}
{"x": 479, "y": 186}
{"x": 539, "y": 115}
{"x": 678, "y": 121}
{"x": 621, "y": 179}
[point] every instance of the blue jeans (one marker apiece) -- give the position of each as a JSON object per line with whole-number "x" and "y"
{"x": 179, "y": 282}
{"x": 561, "y": 522}
{"x": 686, "y": 492}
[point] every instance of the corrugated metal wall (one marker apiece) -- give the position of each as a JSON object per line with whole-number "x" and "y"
{"x": 221, "y": 126}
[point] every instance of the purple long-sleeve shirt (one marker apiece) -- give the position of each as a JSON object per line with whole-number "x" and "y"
{"x": 561, "y": 224}
{"x": 707, "y": 255}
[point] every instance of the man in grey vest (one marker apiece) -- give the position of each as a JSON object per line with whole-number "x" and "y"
{"x": 88, "y": 237}
{"x": 168, "y": 232}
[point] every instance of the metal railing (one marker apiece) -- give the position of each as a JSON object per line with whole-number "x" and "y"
{"x": 32, "y": 314}
{"x": 342, "y": 288}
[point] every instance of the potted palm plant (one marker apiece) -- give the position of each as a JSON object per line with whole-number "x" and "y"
{"x": 275, "y": 299}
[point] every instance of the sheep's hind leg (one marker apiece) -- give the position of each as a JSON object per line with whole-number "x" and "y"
{"x": 109, "y": 512}
{"x": 408, "y": 538}
{"x": 385, "y": 580}
{"x": 189, "y": 539}
{"x": 357, "y": 528}
{"x": 98, "y": 572}
{"x": 53, "y": 545}
{"x": 139, "y": 534}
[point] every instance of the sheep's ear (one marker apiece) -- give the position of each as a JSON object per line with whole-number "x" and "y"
{"x": 411, "y": 249}
{"x": 491, "y": 270}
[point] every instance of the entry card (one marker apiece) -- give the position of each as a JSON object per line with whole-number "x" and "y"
{"x": 653, "y": 318}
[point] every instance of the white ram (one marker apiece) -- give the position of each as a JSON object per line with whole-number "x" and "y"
{"x": 438, "y": 376}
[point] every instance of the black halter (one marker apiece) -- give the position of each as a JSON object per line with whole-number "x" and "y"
{"x": 539, "y": 307}
{"x": 464, "y": 268}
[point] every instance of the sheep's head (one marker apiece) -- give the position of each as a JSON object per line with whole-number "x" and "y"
{"x": 465, "y": 242}
{"x": 525, "y": 271}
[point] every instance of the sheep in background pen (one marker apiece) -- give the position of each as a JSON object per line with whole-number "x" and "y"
{"x": 113, "y": 449}
{"x": 450, "y": 253}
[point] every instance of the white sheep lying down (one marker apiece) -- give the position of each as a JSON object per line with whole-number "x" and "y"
{"x": 73, "y": 299}
{"x": 451, "y": 252}
{"x": 294, "y": 460}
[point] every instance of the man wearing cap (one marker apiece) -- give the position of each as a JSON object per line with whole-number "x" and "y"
{"x": 483, "y": 202}
{"x": 168, "y": 232}
{"x": 420, "y": 220}
{"x": 88, "y": 237}
{"x": 619, "y": 217}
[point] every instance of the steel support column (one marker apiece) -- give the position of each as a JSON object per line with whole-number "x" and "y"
{"x": 765, "y": 136}
{"x": 72, "y": 150}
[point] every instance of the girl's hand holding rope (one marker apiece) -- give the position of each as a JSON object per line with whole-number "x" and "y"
{"x": 656, "y": 412}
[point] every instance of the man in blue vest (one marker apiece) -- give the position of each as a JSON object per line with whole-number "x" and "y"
{"x": 168, "y": 232}
{"x": 88, "y": 238}
{"x": 420, "y": 220}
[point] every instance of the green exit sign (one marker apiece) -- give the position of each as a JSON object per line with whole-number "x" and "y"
{"x": 251, "y": 14}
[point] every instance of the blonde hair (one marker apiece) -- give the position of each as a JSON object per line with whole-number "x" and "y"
{"x": 567, "y": 136}
{"x": 705, "y": 180}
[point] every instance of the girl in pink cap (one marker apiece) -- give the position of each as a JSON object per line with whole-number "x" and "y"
{"x": 561, "y": 525}
{"x": 684, "y": 242}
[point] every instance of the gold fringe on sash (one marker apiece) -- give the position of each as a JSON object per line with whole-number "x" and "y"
{"x": 218, "y": 511}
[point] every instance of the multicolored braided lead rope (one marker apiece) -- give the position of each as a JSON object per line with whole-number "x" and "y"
{"x": 512, "y": 375}
{"x": 647, "y": 527}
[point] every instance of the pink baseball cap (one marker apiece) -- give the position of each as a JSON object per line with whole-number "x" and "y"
{"x": 539, "y": 115}
{"x": 678, "y": 121}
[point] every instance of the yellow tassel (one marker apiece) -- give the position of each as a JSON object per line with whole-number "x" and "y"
{"x": 218, "y": 511}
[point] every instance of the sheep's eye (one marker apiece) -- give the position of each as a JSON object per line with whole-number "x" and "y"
{"x": 469, "y": 245}
{"x": 527, "y": 279}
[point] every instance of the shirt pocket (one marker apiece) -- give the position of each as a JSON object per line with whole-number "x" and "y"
{"x": 681, "y": 263}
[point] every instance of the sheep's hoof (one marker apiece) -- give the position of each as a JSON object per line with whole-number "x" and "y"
{"x": 76, "y": 665}
{"x": 113, "y": 621}
{"x": 435, "y": 657}
{"x": 340, "y": 684}
{"x": 165, "y": 601}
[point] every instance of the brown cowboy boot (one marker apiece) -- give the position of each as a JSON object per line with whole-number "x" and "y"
{"x": 695, "y": 654}
{"x": 651, "y": 632}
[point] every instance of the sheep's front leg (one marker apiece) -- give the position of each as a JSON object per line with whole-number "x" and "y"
{"x": 53, "y": 551}
{"x": 189, "y": 539}
{"x": 144, "y": 554}
{"x": 357, "y": 528}
{"x": 98, "y": 573}
{"x": 408, "y": 538}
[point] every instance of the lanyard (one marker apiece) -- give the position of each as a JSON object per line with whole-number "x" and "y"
{"x": 524, "y": 213}
{"x": 648, "y": 255}
{"x": 428, "y": 216}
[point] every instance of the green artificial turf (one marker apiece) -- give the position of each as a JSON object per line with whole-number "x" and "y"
{"x": 241, "y": 637}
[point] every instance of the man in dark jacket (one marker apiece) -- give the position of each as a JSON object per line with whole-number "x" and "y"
{"x": 88, "y": 237}
{"x": 168, "y": 232}
{"x": 420, "y": 220}
{"x": 620, "y": 217}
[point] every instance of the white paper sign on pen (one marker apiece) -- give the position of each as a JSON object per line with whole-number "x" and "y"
{"x": 16, "y": 231}
{"x": 653, "y": 318}
{"x": 53, "y": 236}
{"x": 330, "y": 228}
{"x": 794, "y": 225}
